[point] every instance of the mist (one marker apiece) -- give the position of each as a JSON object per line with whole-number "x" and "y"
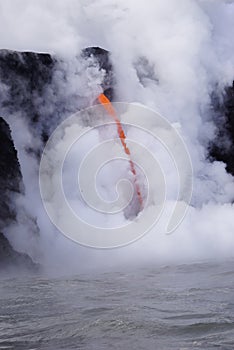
{"x": 170, "y": 61}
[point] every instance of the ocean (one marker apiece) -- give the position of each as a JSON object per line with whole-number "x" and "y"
{"x": 188, "y": 306}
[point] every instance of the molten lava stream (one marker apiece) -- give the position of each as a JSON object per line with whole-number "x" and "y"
{"x": 111, "y": 111}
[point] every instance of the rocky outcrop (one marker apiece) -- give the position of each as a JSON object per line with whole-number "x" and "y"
{"x": 9, "y": 258}
{"x": 24, "y": 76}
{"x": 10, "y": 185}
{"x": 222, "y": 148}
{"x": 102, "y": 58}
{"x": 36, "y": 87}
{"x": 10, "y": 175}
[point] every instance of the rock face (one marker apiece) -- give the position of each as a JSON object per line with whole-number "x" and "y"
{"x": 10, "y": 175}
{"x": 33, "y": 87}
{"x": 10, "y": 184}
{"x": 102, "y": 58}
{"x": 222, "y": 148}
{"x": 9, "y": 258}
{"x": 24, "y": 76}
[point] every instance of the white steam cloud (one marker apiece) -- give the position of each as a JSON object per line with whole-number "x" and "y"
{"x": 167, "y": 55}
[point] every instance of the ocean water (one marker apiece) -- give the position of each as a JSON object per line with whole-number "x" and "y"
{"x": 188, "y": 306}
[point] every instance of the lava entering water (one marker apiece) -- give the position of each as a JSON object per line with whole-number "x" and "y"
{"x": 111, "y": 111}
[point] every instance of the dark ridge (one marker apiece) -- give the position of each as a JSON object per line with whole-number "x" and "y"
{"x": 222, "y": 148}
{"x": 35, "y": 68}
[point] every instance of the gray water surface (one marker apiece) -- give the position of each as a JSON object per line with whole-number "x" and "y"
{"x": 182, "y": 307}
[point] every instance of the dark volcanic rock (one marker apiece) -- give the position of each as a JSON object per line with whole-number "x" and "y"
{"x": 25, "y": 75}
{"x": 10, "y": 184}
{"x": 102, "y": 57}
{"x": 10, "y": 175}
{"x": 9, "y": 258}
{"x": 36, "y": 86}
{"x": 222, "y": 149}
